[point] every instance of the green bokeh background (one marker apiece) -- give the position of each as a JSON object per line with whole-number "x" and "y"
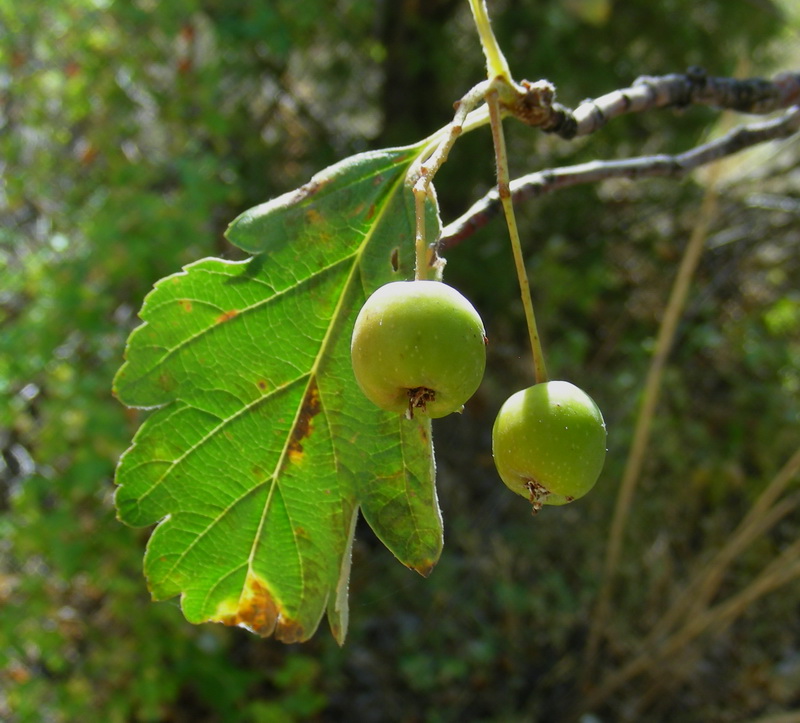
{"x": 131, "y": 133}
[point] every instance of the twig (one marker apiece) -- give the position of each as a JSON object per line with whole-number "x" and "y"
{"x": 537, "y": 184}
{"x": 535, "y": 103}
{"x": 750, "y": 95}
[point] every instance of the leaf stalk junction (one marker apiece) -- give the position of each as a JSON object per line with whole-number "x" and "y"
{"x": 501, "y": 96}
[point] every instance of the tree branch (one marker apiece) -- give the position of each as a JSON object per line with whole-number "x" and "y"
{"x": 750, "y": 95}
{"x": 537, "y": 184}
{"x": 535, "y": 104}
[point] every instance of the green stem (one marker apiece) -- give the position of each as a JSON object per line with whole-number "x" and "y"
{"x": 427, "y": 165}
{"x": 420, "y": 247}
{"x": 496, "y": 64}
{"x": 539, "y": 367}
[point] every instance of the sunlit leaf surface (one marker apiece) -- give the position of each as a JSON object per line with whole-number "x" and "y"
{"x": 262, "y": 448}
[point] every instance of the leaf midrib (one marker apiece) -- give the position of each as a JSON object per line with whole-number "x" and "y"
{"x": 326, "y": 341}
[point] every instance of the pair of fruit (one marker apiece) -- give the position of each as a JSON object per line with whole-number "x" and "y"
{"x": 419, "y": 347}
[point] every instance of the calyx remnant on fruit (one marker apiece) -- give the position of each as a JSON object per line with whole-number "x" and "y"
{"x": 549, "y": 443}
{"x": 418, "y": 347}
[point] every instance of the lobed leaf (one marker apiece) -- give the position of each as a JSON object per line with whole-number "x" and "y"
{"x": 253, "y": 462}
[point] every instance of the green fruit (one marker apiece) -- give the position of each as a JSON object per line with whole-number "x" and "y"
{"x": 418, "y": 347}
{"x": 549, "y": 443}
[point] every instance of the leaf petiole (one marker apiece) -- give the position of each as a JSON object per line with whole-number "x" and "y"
{"x": 421, "y": 173}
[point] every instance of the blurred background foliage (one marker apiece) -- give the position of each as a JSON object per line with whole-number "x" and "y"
{"x": 131, "y": 132}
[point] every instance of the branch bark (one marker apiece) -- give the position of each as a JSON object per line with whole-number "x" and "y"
{"x": 541, "y": 182}
{"x": 535, "y": 104}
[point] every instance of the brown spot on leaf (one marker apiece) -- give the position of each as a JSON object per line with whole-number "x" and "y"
{"x": 289, "y": 631}
{"x": 314, "y": 217}
{"x": 165, "y": 381}
{"x": 256, "y": 609}
{"x": 304, "y": 425}
{"x": 186, "y": 305}
{"x": 262, "y": 384}
{"x": 226, "y": 316}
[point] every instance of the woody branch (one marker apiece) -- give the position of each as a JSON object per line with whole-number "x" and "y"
{"x": 747, "y": 96}
{"x": 534, "y": 103}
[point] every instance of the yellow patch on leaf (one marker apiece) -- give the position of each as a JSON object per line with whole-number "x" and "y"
{"x": 257, "y": 610}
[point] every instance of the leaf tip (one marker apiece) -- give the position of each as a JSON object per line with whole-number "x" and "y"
{"x": 339, "y": 633}
{"x": 424, "y": 568}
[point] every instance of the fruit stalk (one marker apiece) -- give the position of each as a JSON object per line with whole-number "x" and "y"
{"x": 504, "y": 191}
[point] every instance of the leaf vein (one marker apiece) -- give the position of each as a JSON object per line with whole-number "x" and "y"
{"x": 277, "y": 295}
{"x": 323, "y": 348}
{"x": 224, "y": 422}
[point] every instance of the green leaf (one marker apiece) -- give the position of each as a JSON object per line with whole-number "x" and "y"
{"x": 262, "y": 447}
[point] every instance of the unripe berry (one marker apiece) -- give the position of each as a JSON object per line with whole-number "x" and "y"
{"x": 549, "y": 443}
{"x": 418, "y": 347}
